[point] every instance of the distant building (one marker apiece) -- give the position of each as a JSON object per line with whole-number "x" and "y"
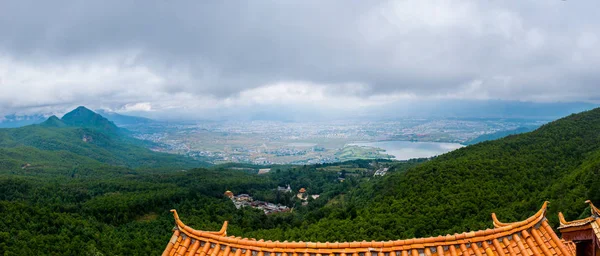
{"x": 263, "y": 171}
{"x": 244, "y": 200}
{"x": 301, "y": 194}
{"x": 261, "y": 160}
{"x": 284, "y": 189}
{"x": 381, "y": 172}
{"x": 315, "y": 196}
{"x": 243, "y": 197}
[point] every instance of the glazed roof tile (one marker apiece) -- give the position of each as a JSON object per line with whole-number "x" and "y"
{"x": 531, "y": 237}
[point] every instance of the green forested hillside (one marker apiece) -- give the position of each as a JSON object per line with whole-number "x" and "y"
{"x": 70, "y": 201}
{"x": 85, "y": 142}
{"x": 82, "y": 133}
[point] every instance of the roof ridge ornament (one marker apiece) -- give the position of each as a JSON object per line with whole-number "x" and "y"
{"x": 561, "y": 219}
{"x": 542, "y": 212}
{"x": 222, "y": 232}
{"x": 175, "y": 215}
{"x": 593, "y": 209}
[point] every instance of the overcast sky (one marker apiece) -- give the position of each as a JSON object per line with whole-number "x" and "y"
{"x": 199, "y": 57}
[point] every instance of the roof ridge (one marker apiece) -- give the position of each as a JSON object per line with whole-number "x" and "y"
{"x": 505, "y": 229}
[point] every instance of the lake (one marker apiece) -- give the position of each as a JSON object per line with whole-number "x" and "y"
{"x": 404, "y": 150}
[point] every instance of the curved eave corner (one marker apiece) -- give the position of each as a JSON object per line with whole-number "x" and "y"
{"x": 542, "y": 212}
{"x": 595, "y": 214}
{"x": 193, "y": 232}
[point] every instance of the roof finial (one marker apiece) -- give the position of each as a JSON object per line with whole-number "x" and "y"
{"x": 496, "y": 222}
{"x": 544, "y": 208}
{"x": 593, "y": 209}
{"x": 223, "y": 230}
{"x": 175, "y": 214}
{"x": 561, "y": 218}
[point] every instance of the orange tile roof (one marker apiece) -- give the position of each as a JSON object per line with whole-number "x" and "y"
{"x": 570, "y": 246}
{"x": 590, "y": 223}
{"x": 531, "y": 237}
{"x": 595, "y": 216}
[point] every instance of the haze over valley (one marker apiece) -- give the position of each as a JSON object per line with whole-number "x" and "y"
{"x": 266, "y": 142}
{"x": 275, "y": 142}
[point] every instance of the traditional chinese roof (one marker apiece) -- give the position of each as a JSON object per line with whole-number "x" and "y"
{"x": 302, "y": 190}
{"x": 592, "y": 222}
{"x": 570, "y": 246}
{"x": 533, "y": 236}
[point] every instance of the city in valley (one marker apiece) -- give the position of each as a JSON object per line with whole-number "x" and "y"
{"x": 275, "y": 142}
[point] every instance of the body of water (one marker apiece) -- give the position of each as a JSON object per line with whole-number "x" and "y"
{"x": 404, "y": 150}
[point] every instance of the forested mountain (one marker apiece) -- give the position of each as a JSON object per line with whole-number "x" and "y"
{"x": 53, "y": 121}
{"x": 89, "y": 207}
{"x": 83, "y": 117}
{"x": 85, "y": 134}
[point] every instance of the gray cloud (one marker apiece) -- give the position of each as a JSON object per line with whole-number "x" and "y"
{"x": 198, "y": 54}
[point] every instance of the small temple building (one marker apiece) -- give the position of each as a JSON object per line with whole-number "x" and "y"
{"x": 530, "y": 237}
{"x": 584, "y": 233}
{"x": 301, "y": 194}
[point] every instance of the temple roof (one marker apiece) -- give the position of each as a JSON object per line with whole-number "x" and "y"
{"x": 594, "y": 217}
{"x": 533, "y": 236}
{"x": 592, "y": 222}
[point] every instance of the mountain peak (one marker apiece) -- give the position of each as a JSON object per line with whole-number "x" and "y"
{"x": 82, "y": 109}
{"x": 84, "y": 117}
{"x": 53, "y": 121}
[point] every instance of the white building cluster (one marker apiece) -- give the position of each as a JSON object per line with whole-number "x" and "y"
{"x": 244, "y": 200}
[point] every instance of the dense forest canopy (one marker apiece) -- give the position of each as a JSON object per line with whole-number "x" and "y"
{"x": 108, "y": 195}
